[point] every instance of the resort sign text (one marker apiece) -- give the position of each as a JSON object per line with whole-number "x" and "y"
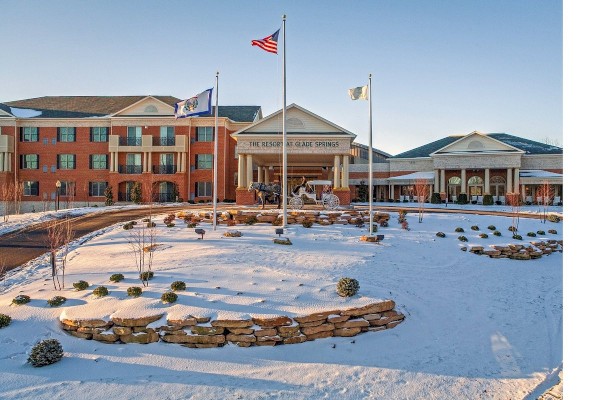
{"x": 323, "y": 146}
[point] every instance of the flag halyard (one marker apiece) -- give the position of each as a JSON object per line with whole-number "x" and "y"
{"x": 268, "y": 44}
{"x": 359, "y": 93}
{"x": 198, "y": 105}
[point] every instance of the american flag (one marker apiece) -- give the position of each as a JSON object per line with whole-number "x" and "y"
{"x": 269, "y": 43}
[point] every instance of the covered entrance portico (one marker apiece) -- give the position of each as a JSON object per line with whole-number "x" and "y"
{"x": 316, "y": 149}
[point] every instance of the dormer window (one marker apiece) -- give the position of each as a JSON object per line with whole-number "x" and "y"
{"x": 151, "y": 109}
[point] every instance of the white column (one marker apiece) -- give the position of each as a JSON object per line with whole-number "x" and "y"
{"x": 436, "y": 181}
{"x": 516, "y": 181}
{"x": 523, "y": 192}
{"x": 509, "y": 184}
{"x": 336, "y": 172}
{"x": 183, "y": 162}
{"x": 248, "y": 169}
{"x": 259, "y": 172}
{"x": 2, "y": 162}
{"x": 443, "y": 183}
{"x": 463, "y": 181}
{"x": 266, "y": 174}
{"x": 392, "y": 191}
{"x": 486, "y": 181}
{"x": 8, "y": 162}
{"x": 346, "y": 172}
{"x": 116, "y": 160}
{"x": 241, "y": 172}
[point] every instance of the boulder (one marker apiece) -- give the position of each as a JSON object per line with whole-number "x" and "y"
{"x": 272, "y": 321}
{"x": 232, "y": 323}
{"x": 288, "y": 331}
{"x": 323, "y": 315}
{"x": 346, "y": 332}
{"x": 265, "y": 332}
{"x": 122, "y": 330}
{"x": 105, "y": 337}
{"x": 241, "y": 331}
{"x": 385, "y": 305}
{"x": 320, "y": 335}
{"x": 353, "y": 323}
{"x": 131, "y": 322}
{"x": 295, "y": 339}
{"x": 316, "y": 329}
{"x": 337, "y": 318}
{"x": 207, "y": 330}
{"x": 240, "y": 338}
{"x": 143, "y": 338}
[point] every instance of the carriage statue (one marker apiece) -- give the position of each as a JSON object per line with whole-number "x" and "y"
{"x": 317, "y": 191}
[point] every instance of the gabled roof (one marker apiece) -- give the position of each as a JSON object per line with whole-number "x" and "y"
{"x": 5, "y": 109}
{"x": 99, "y": 106}
{"x": 525, "y": 145}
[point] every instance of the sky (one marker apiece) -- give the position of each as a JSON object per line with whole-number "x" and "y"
{"x": 439, "y": 68}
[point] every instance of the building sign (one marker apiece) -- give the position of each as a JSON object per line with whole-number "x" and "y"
{"x": 297, "y": 146}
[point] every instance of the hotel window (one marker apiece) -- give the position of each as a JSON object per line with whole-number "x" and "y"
{"x": 66, "y": 134}
{"x": 167, "y": 136}
{"x": 204, "y": 161}
{"x": 98, "y": 134}
{"x": 204, "y": 134}
{"x": 96, "y": 189}
{"x": 203, "y": 189}
{"x": 134, "y": 136}
{"x": 67, "y": 189}
{"x": 98, "y": 161}
{"x": 31, "y": 188}
{"x": 29, "y": 134}
{"x": 65, "y": 161}
{"x": 30, "y": 161}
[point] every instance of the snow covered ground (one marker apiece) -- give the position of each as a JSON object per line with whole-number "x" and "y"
{"x": 475, "y": 327}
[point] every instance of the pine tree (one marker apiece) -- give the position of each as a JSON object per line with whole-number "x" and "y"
{"x": 136, "y": 193}
{"x": 108, "y": 196}
{"x": 363, "y": 192}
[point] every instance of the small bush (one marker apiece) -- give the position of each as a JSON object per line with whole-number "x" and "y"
{"x": 134, "y": 291}
{"x": 56, "y": 301}
{"x": 151, "y": 225}
{"x": 436, "y": 198}
{"x": 531, "y": 234}
{"x": 440, "y": 234}
{"x": 497, "y": 233}
{"x": 553, "y": 218}
{"x": 116, "y": 277}
{"x": 168, "y": 297}
{"x": 483, "y": 235}
{"x": 552, "y": 231}
{"x": 147, "y": 275}
{"x": 146, "y": 220}
{"x": 347, "y": 287}
{"x": 474, "y": 228}
{"x": 251, "y": 220}
{"x": 178, "y": 285}
{"x": 488, "y": 200}
{"x": 459, "y": 229}
{"x": 512, "y": 228}
{"x": 374, "y": 228}
{"x": 46, "y": 352}
{"x": 128, "y": 226}
{"x": 133, "y": 222}
{"x": 277, "y": 222}
{"x": 170, "y": 225}
{"x": 5, "y": 320}
{"x": 541, "y": 232}
{"x": 21, "y": 299}
{"x": 191, "y": 225}
{"x": 492, "y": 228}
{"x": 498, "y": 203}
{"x": 462, "y": 198}
{"x": 81, "y": 285}
{"x": 307, "y": 224}
{"x": 100, "y": 291}
{"x": 517, "y": 237}
{"x": 463, "y": 239}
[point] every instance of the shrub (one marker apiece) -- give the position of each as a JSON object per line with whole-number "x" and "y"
{"x": 21, "y": 299}
{"x": 374, "y": 228}
{"x": 134, "y": 291}
{"x": 462, "y": 198}
{"x": 307, "y": 224}
{"x": 45, "y": 352}
{"x": 5, "y": 320}
{"x": 147, "y": 275}
{"x": 133, "y": 222}
{"x": 128, "y": 226}
{"x": 553, "y": 218}
{"x": 383, "y": 224}
{"x": 483, "y": 235}
{"x": 151, "y": 225}
{"x": 116, "y": 277}
{"x": 498, "y": 203}
{"x": 512, "y": 228}
{"x": 81, "y": 285}
{"x": 178, "y": 285}
{"x": 492, "y": 228}
{"x": 497, "y": 233}
{"x": 440, "y": 234}
{"x": 517, "y": 237}
{"x": 459, "y": 229}
{"x": 474, "y": 228}
{"x": 552, "y": 231}
{"x": 170, "y": 225}
{"x": 488, "y": 200}
{"x": 463, "y": 238}
{"x": 531, "y": 234}
{"x": 146, "y": 220}
{"x": 251, "y": 220}
{"x": 541, "y": 232}
{"x": 436, "y": 198}
{"x": 191, "y": 225}
{"x": 347, "y": 287}
{"x": 168, "y": 297}
{"x": 100, "y": 291}
{"x": 473, "y": 201}
{"x": 56, "y": 301}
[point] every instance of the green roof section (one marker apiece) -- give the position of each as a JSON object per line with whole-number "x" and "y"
{"x": 526, "y": 145}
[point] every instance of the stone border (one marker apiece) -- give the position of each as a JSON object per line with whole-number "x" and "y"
{"x": 519, "y": 251}
{"x": 201, "y": 332}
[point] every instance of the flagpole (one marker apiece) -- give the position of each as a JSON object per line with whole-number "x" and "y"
{"x": 370, "y": 161}
{"x": 216, "y": 164}
{"x": 284, "y": 138}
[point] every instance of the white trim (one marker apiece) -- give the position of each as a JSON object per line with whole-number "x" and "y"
{"x": 138, "y": 102}
{"x": 478, "y": 134}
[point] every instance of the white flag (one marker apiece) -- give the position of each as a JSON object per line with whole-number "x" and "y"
{"x": 197, "y": 105}
{"x": 359, "y": 93}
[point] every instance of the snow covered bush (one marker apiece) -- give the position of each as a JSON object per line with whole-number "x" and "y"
{"x": 168, "y": 297}
{"x": 541, "y": 232}
{"x": 531, "y": 234}
{"x": 512, "y": 228}
{"x": 116, "y": 277}
{"x": 147, "y": 275}
{"x": 552, "y": 231}
{"x": 463, "y": 239}
{"x": 178, "y": 285}
{"x": 5, "y": 320}
{"x": 151, "y": 225}
{"x": 483, "y": 235}
{"x": 128, "y": 226}
{"x": 134, "y": 291}
{"x": 459, "y": 229}
{"x": 440, "y": 234}
{"x": 492, "y": 228}
{"x": 100, "y": 291}
{"x": 517, "y": 237}
{"x": 347, "y": 287}
{"x": 45, "y": 352}
{"x": 191, "y": 225}
{"x": 21, "y": 299}
{"x": 474, "y": 228}
{"x": 497, "y": 233}
{"x": 307, "y": 224}
{"x": 251, "y": 220}
{"x": 56, "y": 301}
{"x": 81, "y": 285}
{"x": 553, "y": 218}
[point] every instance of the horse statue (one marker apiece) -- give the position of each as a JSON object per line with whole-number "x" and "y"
{"x": 267, "y": 192}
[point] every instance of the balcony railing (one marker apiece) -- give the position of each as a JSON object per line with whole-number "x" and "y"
{"x": 130, "y": 141}
{"x": 164, "y": 169}
{"x": 163, "y": 141}
{"x": 124, "y": 196}
{"x": 130, "y": 169}
{"x": 164, "y": 197}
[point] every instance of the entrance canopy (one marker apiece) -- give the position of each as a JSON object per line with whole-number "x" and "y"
{"x": 409, "y": 179}
{"x": 539, "y": 176}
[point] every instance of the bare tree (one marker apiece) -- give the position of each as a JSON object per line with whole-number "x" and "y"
{"x": 142, "y": 242}
{"x": 18, "y": 193}
{"x": 7, "y": 198}
{"x": 421, "y": 190}
{"x": 3, "y": 269}
{"x": 514, "y": 201}
{"x": 546, "y": 193}
{"x": 60, "y": 234}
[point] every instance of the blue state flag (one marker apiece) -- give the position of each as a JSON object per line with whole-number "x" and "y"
{"x": 197, "y": 105}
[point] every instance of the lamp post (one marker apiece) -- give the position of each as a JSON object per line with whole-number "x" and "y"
{"x": 57, "y": 194}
